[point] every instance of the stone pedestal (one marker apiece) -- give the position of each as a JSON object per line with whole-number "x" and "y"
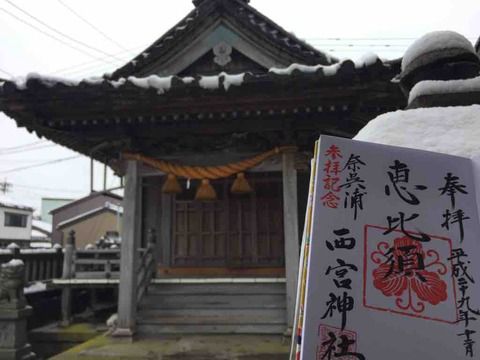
{"x": 13, "y": 313}
{"x": 13, "y": 334}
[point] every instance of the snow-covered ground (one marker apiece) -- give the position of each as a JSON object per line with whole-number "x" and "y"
{"x": 435, "y": 87}
{"x": 449, "y": 130}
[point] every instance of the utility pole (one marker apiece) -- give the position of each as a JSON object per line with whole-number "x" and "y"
{"x": 5, "y": 187}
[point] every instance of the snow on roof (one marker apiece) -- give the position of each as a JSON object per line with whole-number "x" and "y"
{"x": 35, "y": 234}
{"x": 434, "y": 87}
{"x": 159, "y": 83}
{"x": 222, "y": 80}
{"x": 49, "y": 81}
{"x": 107, "y": 206}
{"x": 214, "y": 82}
{"x": 328, "y": 70}
{"x": 5, "y": 201}
{"x": 162, "y": 84}
{"x": 449, "y": 130}
{"x": 41, "y": 245}
{"x": 43, "y": 226}
{"x": 449, "y": 41}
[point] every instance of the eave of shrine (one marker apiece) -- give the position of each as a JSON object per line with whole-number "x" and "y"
{"x": 176, "y": 115}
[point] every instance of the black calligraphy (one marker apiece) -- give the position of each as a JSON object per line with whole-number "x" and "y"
{"x": 399, "y": 179}
{"x": 467, "y": 313}
{"x": 354, "y": 185}
{"x": 452, "y": 188}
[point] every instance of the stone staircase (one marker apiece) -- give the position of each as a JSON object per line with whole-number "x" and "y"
{"x": 212, "y": 306}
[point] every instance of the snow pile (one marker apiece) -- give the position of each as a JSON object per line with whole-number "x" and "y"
{"x": 13, "y": 263}
{"x": 449, "y": 130}
{"x": 328, "y": 70}
{"x": 434, "y": 87}
{"x": 449, "y": 42}
{"x": 161, "y": 84}
{"x": 47, "y": 245}
{"x": 118, "y": 83}
{"x": 35, "y": 287}
{"x": 48, "y": 81}
{"x": 213, "y": 82}
{"x": 232, "y": 80}
{"x": 306, "y": 69}
{"x": 209, "y": 82}
{"x": 188, "y": 79}
{"x": 367, "y": 59}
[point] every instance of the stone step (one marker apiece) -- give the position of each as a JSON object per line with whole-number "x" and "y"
{"x": 237, "y": 316}
{"x": 213, "y": 308}
{"x": 206, "y": 301}
{"x": 220, "y": 288}
{"x": 196, "y": 329}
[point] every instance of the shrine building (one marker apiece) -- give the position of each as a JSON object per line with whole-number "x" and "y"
{"x": 213, "y": 128}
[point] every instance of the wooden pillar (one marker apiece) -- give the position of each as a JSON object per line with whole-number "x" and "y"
{"x": 166, "y": 229}
{"x": 127, "y": 297}
{"x": 290, "y": 221}
{"x": 68, "y": 273}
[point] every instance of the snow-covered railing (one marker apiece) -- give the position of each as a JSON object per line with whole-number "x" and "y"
{"x": 40, "y": 264}
{"x": 81, "y": 267}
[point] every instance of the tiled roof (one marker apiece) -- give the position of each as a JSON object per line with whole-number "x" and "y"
{"x": 62, "y": 110}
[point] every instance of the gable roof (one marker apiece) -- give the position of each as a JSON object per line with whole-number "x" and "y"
{"x": 285, "y": 47}
{"x": 107, "y": 206}
{"x": 86, "y": 198}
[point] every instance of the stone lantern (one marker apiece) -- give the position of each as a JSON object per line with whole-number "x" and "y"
{"x": 439, "y": 55}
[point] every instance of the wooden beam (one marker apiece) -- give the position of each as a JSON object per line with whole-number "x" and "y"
{"x": 127, "y": 299}
{"x": 290, "y": 223}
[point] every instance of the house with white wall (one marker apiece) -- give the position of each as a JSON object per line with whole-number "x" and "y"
{"x": 15, "y": 223}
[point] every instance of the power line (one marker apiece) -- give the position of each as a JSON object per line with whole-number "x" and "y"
{"x": 374, "y": 38}
{"x": 40, "y": 146}
{"x": 22, "y": 146}
{"x": 7, "y": 73}
{"x": 46, "y": 188}
{"x": 58, "y": 31}
{"x": 50, "y": 35}
{"x": 92, "y": 26}
{"x": 39, "y": 165}
{"x": 93, "y": 63}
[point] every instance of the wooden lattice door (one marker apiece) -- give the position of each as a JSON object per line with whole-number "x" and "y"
{"x": 232, "y": 231}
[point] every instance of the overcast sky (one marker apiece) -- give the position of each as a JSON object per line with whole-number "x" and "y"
{"x": 344, "y": 28}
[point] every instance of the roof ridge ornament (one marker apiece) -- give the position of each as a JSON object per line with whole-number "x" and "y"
{"x": 197, "y": 3}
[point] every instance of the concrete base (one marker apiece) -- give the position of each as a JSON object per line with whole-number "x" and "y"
{"x": 186, "y": 347}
